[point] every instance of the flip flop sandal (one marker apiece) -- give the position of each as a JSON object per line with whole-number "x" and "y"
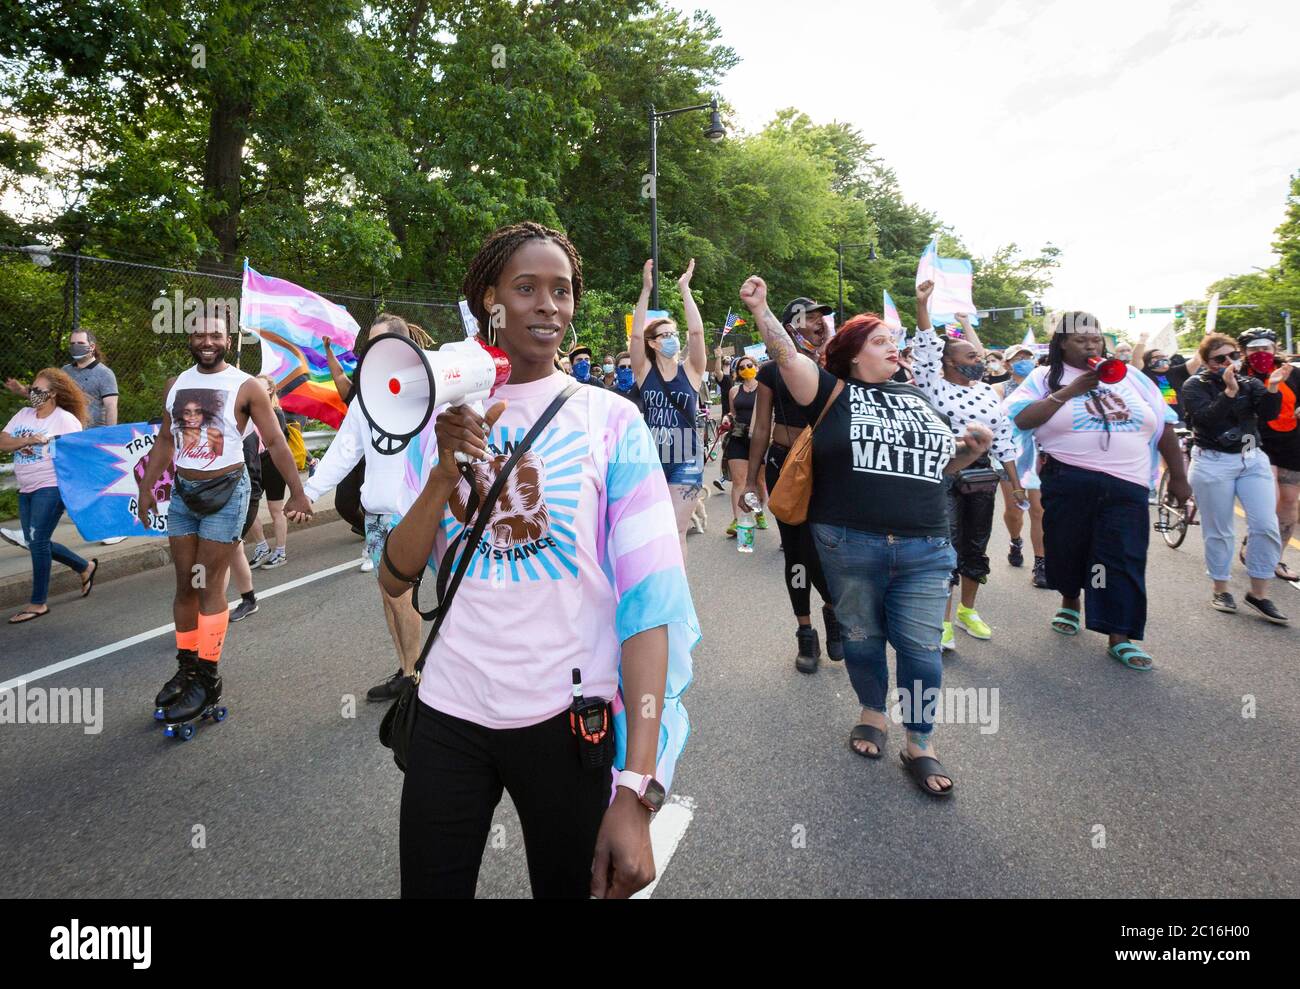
{"x": 1283, "y": 572}
{"x": 1068, "y": 617}
{"x": 922, "y": 768}
{"x": 89, "y": 585}
{"x": 867, "y": 733}
{"x": 1125, "y": 652}
{"x": 18, "y": 619}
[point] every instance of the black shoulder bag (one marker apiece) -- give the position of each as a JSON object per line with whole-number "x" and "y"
{"x": 398, "y": 726}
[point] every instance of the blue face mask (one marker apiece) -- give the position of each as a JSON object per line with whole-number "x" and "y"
{"x": 607, "y": 368}
{"x": 669, "y": 346}
{"x": 1021, "y": 369}
{"x": 624, "y": 379}
{"x": 582, "y": 370}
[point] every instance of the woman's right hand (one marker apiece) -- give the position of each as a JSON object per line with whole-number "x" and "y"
{"x": 924, "y": 291}
{"x": 1230, "y": 383}
{"x": 460, "y": 429}
{"x": 144, "y": 503}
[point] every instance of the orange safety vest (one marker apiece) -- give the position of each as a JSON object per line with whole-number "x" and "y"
{"x": 1286, "y": 420}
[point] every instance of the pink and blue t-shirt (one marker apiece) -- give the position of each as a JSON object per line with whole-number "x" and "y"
{"x": 580, "y": 554}
{"x": 1113, "y": 430}
{"x": 34, "y": 466}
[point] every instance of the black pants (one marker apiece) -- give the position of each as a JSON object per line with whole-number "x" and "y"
{"x": 802, "y": 565}
{"x": 454, "y": 778}
{"x": 347, "y": 498}
{"x": 1096, "y": 529}
{"x": 970, "y": 524}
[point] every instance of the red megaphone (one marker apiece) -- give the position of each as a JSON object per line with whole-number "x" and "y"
{"x": 1109, "y": 371}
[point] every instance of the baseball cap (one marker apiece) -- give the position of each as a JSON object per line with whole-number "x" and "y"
{"x": 806, "y": 306}
{"x": 580, "y": 351}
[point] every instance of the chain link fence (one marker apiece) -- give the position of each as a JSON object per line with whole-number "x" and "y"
{"x": 46, "y": 295}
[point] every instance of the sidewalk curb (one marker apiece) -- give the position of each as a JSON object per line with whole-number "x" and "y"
{"x": 16, "y": 589}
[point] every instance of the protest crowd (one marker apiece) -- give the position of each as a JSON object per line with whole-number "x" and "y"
{"x": 873, "y": 454}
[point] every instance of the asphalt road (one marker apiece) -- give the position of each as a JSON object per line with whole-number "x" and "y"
{"x": 293, "y": 797}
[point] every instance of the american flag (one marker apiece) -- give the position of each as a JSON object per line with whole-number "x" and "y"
{"x": 731, "y": 322}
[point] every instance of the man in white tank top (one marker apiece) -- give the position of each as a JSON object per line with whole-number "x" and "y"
{"x": 206, "y": 411}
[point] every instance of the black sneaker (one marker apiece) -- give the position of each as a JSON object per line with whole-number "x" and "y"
{"x": 1267, "y": 609}
{"x": 810, "y": 650}
{"x": 388, "y": 690}
{"x": 1039, "y": 578}
{"x": 834, "y": 641}
{"x": 1222, "y": 601}
{"x": 719, "y": 484}
{"x": 1016, "y": 555}
{"x": 245, "y": 609}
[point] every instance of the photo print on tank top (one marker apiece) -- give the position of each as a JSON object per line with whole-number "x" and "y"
{"x": 197, "y": 425}
{"x": 897, "y": 435}
{"x": 530, "y": 534}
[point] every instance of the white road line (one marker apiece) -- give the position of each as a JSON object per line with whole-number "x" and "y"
{"x": 86, "y": 657}
{"x": 666, "y": 831}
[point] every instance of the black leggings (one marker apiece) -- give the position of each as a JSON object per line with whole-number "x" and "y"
{"x": 802, "y": 565}
{"x": 454, "y": 778}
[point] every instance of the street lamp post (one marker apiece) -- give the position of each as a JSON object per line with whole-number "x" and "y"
{"x": 839, "y": 249}
{"x": 714, "y": 132}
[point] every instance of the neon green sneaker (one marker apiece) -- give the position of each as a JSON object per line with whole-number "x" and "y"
{"x": 947, "y": 643}
{"x": 731, "y": 530}
{"x": 969, "y": 619}
{"x": 761, "y": 519}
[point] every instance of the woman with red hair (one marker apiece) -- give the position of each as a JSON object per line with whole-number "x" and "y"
{"x": 879, "y": 517}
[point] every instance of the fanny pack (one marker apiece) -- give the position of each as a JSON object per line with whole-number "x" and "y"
{"x": 979, "y": 479}
{"x": 739, "y": 431}
{"x": 208, "y": 496}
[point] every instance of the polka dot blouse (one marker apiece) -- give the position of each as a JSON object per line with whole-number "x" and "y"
{"x": 962, "y": 404}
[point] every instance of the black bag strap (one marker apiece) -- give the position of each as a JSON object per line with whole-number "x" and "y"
{"x": 446, "y": 592}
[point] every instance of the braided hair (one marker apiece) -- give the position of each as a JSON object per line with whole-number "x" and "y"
{"x": 496, "y": 252}
{"x": 1074, "y": 322}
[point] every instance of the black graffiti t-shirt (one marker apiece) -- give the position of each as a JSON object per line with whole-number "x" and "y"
{"x": 878, "y": 459}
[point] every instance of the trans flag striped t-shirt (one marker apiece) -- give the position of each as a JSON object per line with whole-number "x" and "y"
{"x": 581, "y": 553}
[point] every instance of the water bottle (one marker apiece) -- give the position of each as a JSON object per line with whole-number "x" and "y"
{"x": 745, "y": 533}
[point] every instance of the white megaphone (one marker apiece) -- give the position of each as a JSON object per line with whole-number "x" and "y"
{"x": 399, "y": 385}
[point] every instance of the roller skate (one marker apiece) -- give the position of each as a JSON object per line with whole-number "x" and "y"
{"x": 172, "y": 689}
{"x": 198, "y": 702}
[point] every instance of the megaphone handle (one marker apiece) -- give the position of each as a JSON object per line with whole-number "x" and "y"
{"x": 463, "y": 458}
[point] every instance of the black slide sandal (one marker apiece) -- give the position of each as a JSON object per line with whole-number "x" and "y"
{"x": 922, "y": 768}
{"x": 89, "y": 585}
{"x": 868, "y": 733}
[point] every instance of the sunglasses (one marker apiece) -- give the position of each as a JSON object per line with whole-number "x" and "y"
{"x": 1225, "y": 358}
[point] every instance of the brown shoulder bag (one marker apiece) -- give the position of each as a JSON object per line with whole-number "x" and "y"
{"x": 793, "y": 490}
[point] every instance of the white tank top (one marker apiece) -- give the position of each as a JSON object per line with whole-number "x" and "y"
{"x": 204, "y": 428}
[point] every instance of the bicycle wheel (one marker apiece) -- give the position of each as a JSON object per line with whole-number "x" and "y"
{"x": 1176, "y": 530}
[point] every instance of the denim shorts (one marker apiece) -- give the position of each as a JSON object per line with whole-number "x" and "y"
{"x": 223, "y": 526}
{"x": 689, "y": 474}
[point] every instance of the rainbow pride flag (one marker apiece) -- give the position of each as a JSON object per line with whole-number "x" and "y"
{"x": 290, "y": 322}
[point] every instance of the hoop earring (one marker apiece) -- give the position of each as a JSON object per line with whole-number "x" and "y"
{"x": 491, "y": 334}
{"x": 575, "y": 340}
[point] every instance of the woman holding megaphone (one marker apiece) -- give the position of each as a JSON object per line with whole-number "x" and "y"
{"x": 571, "y": 597}
{"x": 1095, "y": 423}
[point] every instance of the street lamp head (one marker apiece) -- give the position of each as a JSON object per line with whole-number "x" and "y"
{"x": 715, "y": 131}
{"x": 871, "y": 254}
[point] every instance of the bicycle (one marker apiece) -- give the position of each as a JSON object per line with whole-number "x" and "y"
{"x": 1171, "y": 520}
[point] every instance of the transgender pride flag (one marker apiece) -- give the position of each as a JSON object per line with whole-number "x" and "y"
{"x": 290, "y": 322}
{"x": 953, "y": 284}
{"x": 893, "y": 320}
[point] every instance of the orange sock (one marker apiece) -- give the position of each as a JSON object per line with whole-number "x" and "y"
{"x": 212, "y": 634}
{"x": 188, "y": 640}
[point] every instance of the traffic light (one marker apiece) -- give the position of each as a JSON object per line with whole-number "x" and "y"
{"x": 1132, "y": 312}
{"x": 1038, "y": 309}
{"x": 1178, "y": 312}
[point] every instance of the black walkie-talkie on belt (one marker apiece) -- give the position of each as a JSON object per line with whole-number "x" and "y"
{"x": 589, "y": 719}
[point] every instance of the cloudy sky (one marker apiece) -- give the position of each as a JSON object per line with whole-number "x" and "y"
{"x": 1151, "y": 140}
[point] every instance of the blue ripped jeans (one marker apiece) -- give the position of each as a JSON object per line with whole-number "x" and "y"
{"x": 888, "y": 589}
{"x": 39, "y": 512}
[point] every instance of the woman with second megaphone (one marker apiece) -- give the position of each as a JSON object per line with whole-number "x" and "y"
{"x": 1224, "y": 405}
{"x": 879, "y": 518}
{"x": 1096, "y": 441}
{"x": 575, "y": 586}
